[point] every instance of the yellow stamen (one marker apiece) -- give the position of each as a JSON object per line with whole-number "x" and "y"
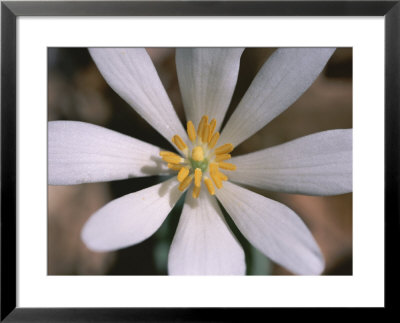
{"x": 191, "y": 131}
{"x": 177, "y": 140}
{"x": 222, "y": 157}
{"x": 213, "y": 124}
{"x": 198, "y": 153}
{"x": 173, "y": 159}
{"x": 174, "y": 166}
{"x": 217, "y": 181}
{"x": 196, "y": 192}
{"x": 213, "y": 167}
{"x": 213, "y": 140}
{"x": 209, "y": 185}
{"x": 202, "y": 124}
{"x": 222, "y": 176}
{"x": 183, "y": 173}
{"x": 189, "y": 167}
{"x": 186, "y": 182}
{"x": 227, "y": 166}
{"x": 167, "y": 153}
{"x": 197, "y": 177}
{"x": 224, "y": 149}
{"x": 206, "y": 133}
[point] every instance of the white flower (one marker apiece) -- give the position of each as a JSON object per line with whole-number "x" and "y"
{"x": 318, "y": 164}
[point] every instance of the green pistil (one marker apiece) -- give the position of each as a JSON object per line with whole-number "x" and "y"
{"x": 203, "y": 165}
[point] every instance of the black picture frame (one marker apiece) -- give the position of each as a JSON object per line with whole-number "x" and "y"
{"x": 10, "y": 11}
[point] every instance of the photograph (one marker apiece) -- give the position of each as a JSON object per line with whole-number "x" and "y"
{"x": 200, "y": 161}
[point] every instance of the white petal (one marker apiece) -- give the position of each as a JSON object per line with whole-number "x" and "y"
{"x": 318, "y": 164}
{"x": 207, "y": 79}
{"x": 80, "y": 152}
{"x": 203, "y": 243}
{"x": 131, "y": 73}
{"x": 286, "y": 75}
{"x": 272, "y": 228}
{"x": 130, "y": 219}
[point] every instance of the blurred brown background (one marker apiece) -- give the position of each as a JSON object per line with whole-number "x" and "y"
{"x": 77, "y": 91}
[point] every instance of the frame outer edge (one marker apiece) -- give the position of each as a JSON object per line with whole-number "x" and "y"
{"x": 202, "y": 8}
{"x": 392, "y": 149}
{"x": 8, "y": 164}
{"x": 8, "y": 161}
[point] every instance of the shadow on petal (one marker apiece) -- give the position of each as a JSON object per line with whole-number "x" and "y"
{"x": 156, "y": 166}
{"x": 192, "y": 203}
{"x": 170, "y": 187}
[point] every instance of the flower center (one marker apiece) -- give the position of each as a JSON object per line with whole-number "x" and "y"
{"x": 201, "y": 161}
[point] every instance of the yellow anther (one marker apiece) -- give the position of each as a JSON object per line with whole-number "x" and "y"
{"x": 198, "y": 153}
{"x": 183, "y": 173}
{"x": 196, "y": 192}
{"x": 206, "y": 133}
{"x": 213, "y": 167}
{"x": 191, "y": 131}
{"x": 200, "y": 129}
{"x": 217, "y": 181}
{"x": 190, "y": 169}
{"x": 203, "y": 123}
{"x": 173, "y": 159}
{"x": 222, "y": 176}
{"x": 227, "y": 166}
{"x": 167, "y": 153}
{"x": 197, "y": 177}
{"x": 209, "y": 185}
{"x": 174, "y": 166}
{"x": 222, "y": 157}
{"x": 213, "y": 140}
{"x": 186, "y": 182}
{"x": 224, "y": 149}
{"x": 177, "y": 140}
{"x": 213, "y": 124}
